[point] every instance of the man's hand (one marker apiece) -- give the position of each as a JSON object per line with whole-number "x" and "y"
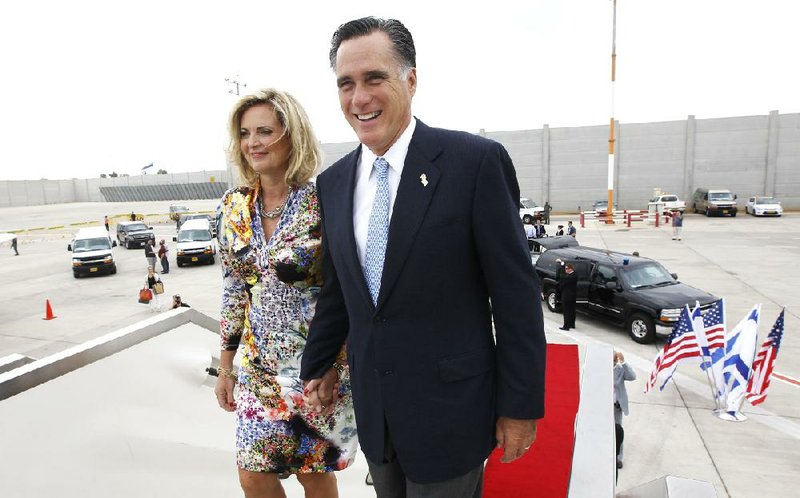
{"x": 322, "y": 394}
{"x": 515, "y": 436}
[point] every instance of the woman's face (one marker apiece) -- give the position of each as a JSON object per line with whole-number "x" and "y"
{"x": 263, "y": 141}
{"x": 150, "y": 270}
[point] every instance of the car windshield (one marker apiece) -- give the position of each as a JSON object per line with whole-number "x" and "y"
{"x": 527, "y": 203}
{"x": 647, "y": 275}
{"x": 86, "y": 245}
{"x": 194, "y": 236}
{"x": 137, "y": 227}
{"x": 720, "y": 196}
{"x": 766, "y": 200}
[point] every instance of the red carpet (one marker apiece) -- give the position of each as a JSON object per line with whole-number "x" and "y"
{"x": 543, "y": 472}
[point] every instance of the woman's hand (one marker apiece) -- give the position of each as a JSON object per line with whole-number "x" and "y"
{"x": 224, "y": 393}
{"x": 322, "y": 394}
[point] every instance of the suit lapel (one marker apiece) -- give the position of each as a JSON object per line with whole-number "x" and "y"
{"x": 414, "y": 195}
{"x": 344, "y": 192}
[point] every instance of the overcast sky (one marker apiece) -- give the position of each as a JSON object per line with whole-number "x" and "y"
{"x": 91, "y": 87}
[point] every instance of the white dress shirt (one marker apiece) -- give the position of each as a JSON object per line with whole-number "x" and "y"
{"x": 367, "y": 184}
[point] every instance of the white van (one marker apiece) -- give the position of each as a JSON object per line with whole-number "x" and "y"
{"x": 92, "y": 252}
{"x": 195, "y": 243}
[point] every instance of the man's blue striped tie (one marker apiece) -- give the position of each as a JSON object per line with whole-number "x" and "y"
{"x": 378, "y": 230}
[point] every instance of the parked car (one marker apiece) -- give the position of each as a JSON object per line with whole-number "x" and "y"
{"x": 529, "y": 210}
{"x": 210, "y": 219}
{"x": 637, "y": 293}
{"x": 601, "y": 206}
{"x": 763, "y": 206}
{"x": 670, "y": 202}
{"x": 714, "y": 201}
{"x": 175, "y": 211}
{"x": 133, "y": 234}
{"x": 195, "y": 243}
{"x": 92, "y": 252}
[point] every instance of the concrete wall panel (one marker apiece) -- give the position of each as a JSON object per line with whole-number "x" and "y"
{"x": 568, "y": 167}
{"x": 787, "y": 175}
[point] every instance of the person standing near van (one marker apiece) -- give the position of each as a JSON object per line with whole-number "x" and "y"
{"x": 105, "y": 222}
{"x": 163, "y": 256}
{"x": 677, "y": 225}
{"x": 571, "y": 230}
{"x": 156, "y": 286}
{"x": 14, "y": 246}
{"x": 150, "y": 253}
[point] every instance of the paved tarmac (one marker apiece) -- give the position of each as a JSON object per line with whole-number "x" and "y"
{"x": 744, "y": 259}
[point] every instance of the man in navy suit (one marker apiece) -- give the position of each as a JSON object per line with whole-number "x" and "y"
{"x": 434, "y": 388}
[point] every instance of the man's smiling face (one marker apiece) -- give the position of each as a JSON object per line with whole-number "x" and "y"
{"x": 373, "y": 94}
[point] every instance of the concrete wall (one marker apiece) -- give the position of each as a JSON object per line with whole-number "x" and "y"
{"x": 38, "y": 192}
{"x": 750, "y": 155}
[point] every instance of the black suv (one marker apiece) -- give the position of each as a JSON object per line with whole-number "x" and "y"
{"x": 133, "y": 233}
{"x": 632, "y": 291}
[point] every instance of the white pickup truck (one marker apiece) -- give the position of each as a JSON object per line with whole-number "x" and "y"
{"x": 671, "y": 202}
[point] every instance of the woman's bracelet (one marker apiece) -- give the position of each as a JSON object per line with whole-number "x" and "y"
{"x": 227, "y": 372}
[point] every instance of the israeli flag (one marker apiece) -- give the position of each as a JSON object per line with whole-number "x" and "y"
{"x": 740, "y": 349}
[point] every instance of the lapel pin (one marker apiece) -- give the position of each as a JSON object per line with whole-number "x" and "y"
{"x": 423, "y": 179}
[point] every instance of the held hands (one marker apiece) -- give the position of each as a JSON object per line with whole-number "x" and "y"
{"x": 224, "y": 393}
{"x": 515, "y": 436}
{"x": 322, "y": 394}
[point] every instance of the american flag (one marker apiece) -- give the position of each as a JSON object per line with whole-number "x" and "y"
{"x": 714, "y": 325}
{"x": 682, "y": 343}
{"x": 762, "y": 366}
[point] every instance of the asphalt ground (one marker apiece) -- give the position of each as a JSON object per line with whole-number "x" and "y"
{"x": 744, "y": 259}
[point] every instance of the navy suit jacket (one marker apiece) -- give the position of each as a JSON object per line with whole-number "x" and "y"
{"x": 424, "y": 362}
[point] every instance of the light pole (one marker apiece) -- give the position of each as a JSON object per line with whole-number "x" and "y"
{"x": 237, "y": 85}
{"x": 609, "y": 210}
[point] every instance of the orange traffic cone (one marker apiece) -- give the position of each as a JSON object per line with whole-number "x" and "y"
{"x": 48, "y": 315}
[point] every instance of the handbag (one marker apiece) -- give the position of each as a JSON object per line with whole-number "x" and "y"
{"x": 159, "y": 287}
{"x": 145, "y": 295}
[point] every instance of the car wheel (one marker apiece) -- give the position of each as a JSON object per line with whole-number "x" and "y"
{"x": 707, "y": 213}
{"x": 127, "y": 244}
{"x": 179, "y": 264}
{"x": 641, "y": 328}
{"x": 527, "y": 219}
{"x": 552, "y": 300}
{"x": 75, "y": 274}
{"x": 733, "y": 215}
{"x": 114, "y": 270}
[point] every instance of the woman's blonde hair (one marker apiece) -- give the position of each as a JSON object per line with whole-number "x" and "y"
{"x": 305, "y": 156}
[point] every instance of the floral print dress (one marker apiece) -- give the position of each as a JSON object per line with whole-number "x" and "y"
{"x": 270, "y": 289}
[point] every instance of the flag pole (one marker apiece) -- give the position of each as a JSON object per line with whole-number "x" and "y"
{"x": 698, "y": 330}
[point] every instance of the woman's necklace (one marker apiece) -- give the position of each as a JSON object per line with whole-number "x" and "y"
{"x": 273, "y": 213}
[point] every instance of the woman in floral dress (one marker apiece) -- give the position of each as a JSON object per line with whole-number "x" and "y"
{"x": 270, "y": 251}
